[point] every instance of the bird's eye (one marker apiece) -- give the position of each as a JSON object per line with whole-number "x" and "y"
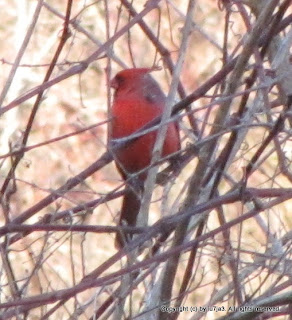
{"x": 117, "y": 81}
{"x": 120, "y": 79}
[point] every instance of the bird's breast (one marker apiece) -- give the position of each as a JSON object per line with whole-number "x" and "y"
{"x": 131, "y": 115}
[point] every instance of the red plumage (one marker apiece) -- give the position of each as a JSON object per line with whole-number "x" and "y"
{"x": 138, "y": 99}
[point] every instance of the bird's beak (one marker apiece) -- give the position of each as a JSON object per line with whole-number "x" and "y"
{"x": 114, "y": 83}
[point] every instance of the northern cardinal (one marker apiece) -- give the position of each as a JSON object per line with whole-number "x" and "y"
{"x": 138, "y": 99}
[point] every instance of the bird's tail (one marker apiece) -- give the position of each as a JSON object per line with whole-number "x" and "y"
{"x": 130, "y": 209}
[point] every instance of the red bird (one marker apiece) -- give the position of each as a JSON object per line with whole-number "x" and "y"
{"x": 138, "y": 99}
